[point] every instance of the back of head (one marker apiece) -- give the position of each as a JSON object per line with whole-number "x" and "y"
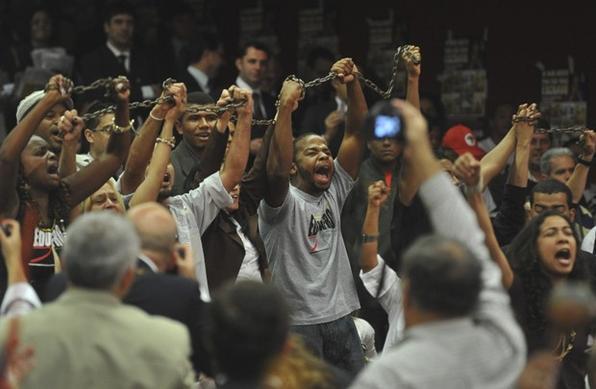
{"x": 98, "y": 249}
{"x": 247, "y": 328}
{"x": 444, "y": 276}
{"x": 551, "y": 186}
{"x": 545, "y": 160}
{"x": 155, "y": 226}
{"x": 199, "y": 98}
{"x": 201, "y": 43}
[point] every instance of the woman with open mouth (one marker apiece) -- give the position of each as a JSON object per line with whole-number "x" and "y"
{"x": 35, "y": 193}
{"x": 544, "y": 254}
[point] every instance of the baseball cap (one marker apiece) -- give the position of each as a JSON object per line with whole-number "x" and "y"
{"x": 461, "y": 139}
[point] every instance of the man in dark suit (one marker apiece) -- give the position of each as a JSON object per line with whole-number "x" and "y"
{"x": 119, "y": 57}
{"x": 205, "y": 57}
{"x": 251, "y": 63}
{"x": 154, "y": 291}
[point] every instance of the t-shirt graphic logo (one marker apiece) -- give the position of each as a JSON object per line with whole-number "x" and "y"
{"x": 317, "y": 224}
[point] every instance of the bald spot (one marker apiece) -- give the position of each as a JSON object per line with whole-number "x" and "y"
{"x": 155, "y": 225}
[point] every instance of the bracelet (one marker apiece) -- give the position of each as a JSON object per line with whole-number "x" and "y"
{"x": 116, "y": 129}
{"x": 170, "y": 142}
{"x": 369, "y": 238}
{"x": 584, "y": 162}
{"x": 155, "y": 118}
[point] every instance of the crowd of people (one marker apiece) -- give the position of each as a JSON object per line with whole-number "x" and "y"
{"x": 186, "y": 245}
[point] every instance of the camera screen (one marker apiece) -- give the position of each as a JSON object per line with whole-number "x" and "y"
{"x": 387, "y": 126}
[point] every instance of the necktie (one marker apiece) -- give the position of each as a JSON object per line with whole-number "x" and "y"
{"x": 258, "y": 112}
{"x": 122, "y": 60}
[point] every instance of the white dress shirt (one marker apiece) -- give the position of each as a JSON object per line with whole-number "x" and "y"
{"x": 200, "y": 77}
{"x": 146, "y": 90}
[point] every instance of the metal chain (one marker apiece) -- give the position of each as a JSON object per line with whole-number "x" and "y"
{"x": 574, "y": 131}
{"x": 406, "y": 51}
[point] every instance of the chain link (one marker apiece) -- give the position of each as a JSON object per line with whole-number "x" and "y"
{"x": 402, "y": 52}
{"x": 575, "y": 131}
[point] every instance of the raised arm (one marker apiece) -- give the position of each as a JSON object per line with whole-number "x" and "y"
{"x": 17, "y": 139}
{"x": 377, "y": 195}
{"x": 151, "y": 185}
{"x": 141, "y": 148}
{"x": 577, "y": 181}
{"x": 281, "y": 153}
{"x": 67, "y": 163}
{"x": 412, "y": 60}
{"x": 237, "y": 156}
{"x": 87, "y": 180}
{"x": 468, "y": 170}
{"x": 353, "y": 144}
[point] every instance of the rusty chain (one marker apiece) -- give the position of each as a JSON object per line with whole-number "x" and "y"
{"x": 402, "y": 52}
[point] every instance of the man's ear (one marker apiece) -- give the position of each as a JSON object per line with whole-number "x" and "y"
{"x": 293, "y": 169}
{"x": 106, "y": 27}
{"x": 238, "y": 63}
{"x": 572, "y": 214}
{"x": 89, "y": 135}
{"x": 179, "y": 125}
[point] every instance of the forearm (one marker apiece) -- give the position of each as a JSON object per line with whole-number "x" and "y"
{"x": 495, "y": 160}
{"x": 281, "y": 150}
{"x": 237, "y": 156}
{"x": 357, "y": 108}
{"x": 423, "y": 164}
{"x": 519, "y": 172}
{"x": 577, "y": 181}
{"x": 14, "y": 268}
{"x": 67, "y": 164}
{"x": 476, "y": 201}
{"x": 413, "y": 91}
{"x": 140, "y": 153}
{"x": 151, "y": 185}
{"x": 368, "y": 255}
{"x": 408, "y": 185}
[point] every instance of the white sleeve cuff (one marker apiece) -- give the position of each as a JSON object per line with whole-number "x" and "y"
{"x": 20, "y": 298}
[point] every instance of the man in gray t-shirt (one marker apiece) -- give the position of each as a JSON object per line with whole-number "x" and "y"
{"x": 300, "y": 225}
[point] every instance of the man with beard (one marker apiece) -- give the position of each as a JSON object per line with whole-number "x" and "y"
{"x": 300, "y": 224}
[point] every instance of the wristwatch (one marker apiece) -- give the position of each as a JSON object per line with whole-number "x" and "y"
{"x": 369, "y": 238}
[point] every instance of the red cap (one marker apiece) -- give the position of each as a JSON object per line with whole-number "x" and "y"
{"x": 461, "y": 139}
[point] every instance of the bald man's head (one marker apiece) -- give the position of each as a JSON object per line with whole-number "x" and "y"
{"x": 155, "y": 226}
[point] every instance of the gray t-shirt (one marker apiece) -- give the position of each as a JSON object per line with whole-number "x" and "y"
{"x": 306, "y": 252}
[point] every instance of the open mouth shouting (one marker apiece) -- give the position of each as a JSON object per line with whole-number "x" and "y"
{"x": 322, "y": 176}
{"x": 563, "y": 256}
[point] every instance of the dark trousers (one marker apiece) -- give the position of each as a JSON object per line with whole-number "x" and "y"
{"x": 336, "y": 342}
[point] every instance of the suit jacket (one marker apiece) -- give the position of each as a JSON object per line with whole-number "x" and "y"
{"x": 89, "y": 339}
{"x": 223, "y": 248}
{"x": 102, "y": 63}
{"x": 167, "y": 295}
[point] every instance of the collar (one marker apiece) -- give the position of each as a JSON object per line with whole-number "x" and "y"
{"x": 244, "y": 85}
{"x": 76, "y": 295}
{"x": 116, "y": 51}
{"x": 148, "y": 262}
{"x": 200, "y": 76}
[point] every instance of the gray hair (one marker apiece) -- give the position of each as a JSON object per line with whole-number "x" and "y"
{"x": 444, "y": 276}
{"x": 545, "y": 166}
{"x": 98, "y": 249}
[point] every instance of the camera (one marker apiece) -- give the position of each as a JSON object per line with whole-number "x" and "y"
{"x": 384, "y": 121}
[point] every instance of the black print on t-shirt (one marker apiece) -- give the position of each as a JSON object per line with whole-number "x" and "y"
{"x": 320, "y": 223}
